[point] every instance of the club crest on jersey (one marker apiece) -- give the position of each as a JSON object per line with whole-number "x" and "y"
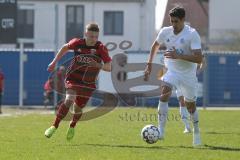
{"x": 182, "y": 40}
{"x": 93, "y": 51}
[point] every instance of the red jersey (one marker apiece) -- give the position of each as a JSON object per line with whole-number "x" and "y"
{"x": 1, "y": 81}
{"x": 79, "y": 72}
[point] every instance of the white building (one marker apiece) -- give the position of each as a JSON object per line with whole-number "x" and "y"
{"x": 51, "y": 23}
{"x": 223, "y": 22}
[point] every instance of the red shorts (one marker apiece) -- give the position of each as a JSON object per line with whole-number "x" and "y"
{"x": 83, "y": 91}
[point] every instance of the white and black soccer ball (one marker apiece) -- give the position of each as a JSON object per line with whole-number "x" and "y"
{"x": 150, "y": 134}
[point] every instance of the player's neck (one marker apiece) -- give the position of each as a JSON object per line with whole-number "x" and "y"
{"x": 176, "y": 32}
{"x": 88, "y": 43}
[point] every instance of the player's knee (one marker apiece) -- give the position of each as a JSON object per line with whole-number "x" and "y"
{"x": 191, "y": 110}
{"x": 165, "y": 93}
{"x": 69, "y": 100}
{"x": 191, "y": 106}
{"x": 165, "y": 97}
{"x": 70, "y": 97}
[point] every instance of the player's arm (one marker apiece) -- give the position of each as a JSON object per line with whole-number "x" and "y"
{"x": 196, "y": 52}
{"x": 106, "y": 59}
{"x": 195, "y": 57}
{"x": 202, "y": 65}
{"x": 107, "y": 67}
{"x": 58, "y": 56}
{"x": 153, "y": 51}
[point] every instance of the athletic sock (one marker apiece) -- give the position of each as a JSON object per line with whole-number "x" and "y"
{"x": 184, "y": 116}
{"x": 162, "y": 115}
{"x": 61, "y": 113}
{"x": 75, "y": 119}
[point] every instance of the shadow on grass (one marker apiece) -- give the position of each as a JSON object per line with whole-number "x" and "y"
{"x": 208, "y": 147}
{"x": 222, "y": 133}
{"x": 221, "y": 148}
{"x": 119, "y": 146}
{"x": 202, "y": 147}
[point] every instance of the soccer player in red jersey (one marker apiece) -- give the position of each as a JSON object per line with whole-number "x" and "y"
{"x": 81, "y": 75}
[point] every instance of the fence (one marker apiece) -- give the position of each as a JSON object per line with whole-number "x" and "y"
{"x": 219, "y": 83}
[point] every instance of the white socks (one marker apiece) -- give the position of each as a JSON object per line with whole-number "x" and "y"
{"x": 194, "y": 118}
{"x": 185, "y": 116}
{"x": 162, "y": 116}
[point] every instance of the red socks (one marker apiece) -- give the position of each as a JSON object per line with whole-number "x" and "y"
{"x": 61, "y": 113}
{"x": 75, "y": 119}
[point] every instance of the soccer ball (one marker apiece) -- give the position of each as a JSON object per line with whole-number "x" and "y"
{"x": 150, "y": 134}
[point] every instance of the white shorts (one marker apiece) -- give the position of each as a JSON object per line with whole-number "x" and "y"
{"x": 178, "y": 93}
{"x": 187, "y": 86}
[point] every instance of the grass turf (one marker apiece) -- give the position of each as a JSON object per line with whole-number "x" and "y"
{"x": 116, "y": 136}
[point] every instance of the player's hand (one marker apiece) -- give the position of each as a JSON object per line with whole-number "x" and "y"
{"x": 147, "y": 71}
{"x": 95, "y": 64}
{"x": 51, "y": 67}
{"x": 171, "y": 54}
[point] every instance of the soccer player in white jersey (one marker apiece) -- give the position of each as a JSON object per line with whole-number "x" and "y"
{"x": 183, "y": 53}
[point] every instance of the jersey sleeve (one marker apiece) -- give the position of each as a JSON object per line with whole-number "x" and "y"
{"x": 73, "y": 43}
{"x": 160, "y": 36}
{"x": 104, "y": 54}
{"x": 195, "y": 41}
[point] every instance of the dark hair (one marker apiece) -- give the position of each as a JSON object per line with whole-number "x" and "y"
{"x": 178, "y": 12}
{"x": 92, "y": 27}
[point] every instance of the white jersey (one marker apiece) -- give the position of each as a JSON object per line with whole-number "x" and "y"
{"x": 185, "y": 41}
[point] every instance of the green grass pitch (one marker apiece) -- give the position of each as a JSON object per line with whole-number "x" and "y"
{"x": 116, "y": 136}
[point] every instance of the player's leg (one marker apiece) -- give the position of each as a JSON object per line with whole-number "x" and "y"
{"x": 62, "y": 111}
{"x": 77, "y": 113}
{"x": 83, "y": 95}
{"x": 189, "y": 91}
{"x": 168, "y": 81}
{"x": 166, "y": 92}
{"x": 183, "y": 111}
{"x": 194, "y": 116}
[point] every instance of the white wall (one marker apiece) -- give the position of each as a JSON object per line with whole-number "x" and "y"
{"x": 44, "y": 26}
{"x": 224, "y": 23}
{"x": 131, "y": 23}
{"x": 140, "y": 31}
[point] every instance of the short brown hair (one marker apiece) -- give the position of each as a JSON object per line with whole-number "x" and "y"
{"x": 178, "y": 12}
{"x": 92, "y": 27}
